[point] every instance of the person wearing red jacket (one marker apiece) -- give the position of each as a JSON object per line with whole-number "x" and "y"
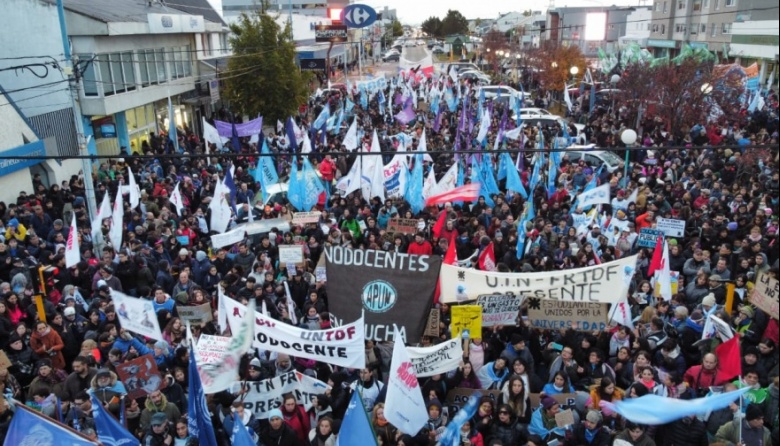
{"x": 328, "y": 170}
{"x": 645, "y": 220}
{"x": 420, "y": 246}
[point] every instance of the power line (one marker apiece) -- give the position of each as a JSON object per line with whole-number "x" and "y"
{"x": 381, "y": 153}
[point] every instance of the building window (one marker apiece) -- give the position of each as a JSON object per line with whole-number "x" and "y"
{"x": 731, "y": 3}
{"x": 663, "y": 29}
{"x": 726, "y": 28}
{"x": 706, "y": 4}
{"x": 128, "y": 70}
{"x": 713, "y": 30}
{"x": 657, "y": 6}
{"x": 703, "y": 28}
{"x": 665, "y": 7}
{"x": 205, "y": 44}
{"x": 223, "y": 43}
{"x": 89, "y": 78}
{"x": 159, "y": 59}
{"x": 694, "y": 28}
{"x": 681, "y": 5}
{"x": 717, "y": 4}
{"x": 697, "y": 6}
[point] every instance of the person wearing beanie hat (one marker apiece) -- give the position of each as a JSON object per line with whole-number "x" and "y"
{"x": 708, "y": 302}
{"x": 516, "y": 348}
{"x": 277, "y": 432}
{"x": 590, "y": 431}
{"x": 751, "y": 432}
{"x": 543, "y": 421}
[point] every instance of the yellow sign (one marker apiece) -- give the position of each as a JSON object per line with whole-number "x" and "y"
{"x": 466, "y": 318}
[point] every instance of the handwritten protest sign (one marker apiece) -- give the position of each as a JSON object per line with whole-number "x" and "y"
{"x": 564, "y": 418}
{"x": 648, "y": 238}
{"x": 765, "y": 294}
{"x": 402, "y": 226}
{"x": 671, "y": 227}
{"x": 499, "y": 309}
{"x": 301, "y": 218}
{"x": 438, "y": 359}
{"x": 432, "y": 326}
{"x": 604, "y": 283}
{"x": 466, "y": 318}
{"x": 212, "y": 349}
{"x": 195, "y": 313}
{"x": 553, "y": 315}
{"x": 291, "y": 254}
{"x": 140, "y": 376}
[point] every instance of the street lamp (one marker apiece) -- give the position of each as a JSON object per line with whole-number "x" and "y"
{"x": 706, "y": 88}
{"x": 574, "y": 71}
{"x": 554, "y": 65}
{"x": 629, "y": 137}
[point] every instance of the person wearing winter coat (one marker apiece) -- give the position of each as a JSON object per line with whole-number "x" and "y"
{"x": 278, "y": 433}
{"x": 323, "y": 435}
{"x": 46, "y": 343}
{"x": 752, "y": 431}
{"x": 49, "y": 377}
{"x": 493, "y": 373}
{"x": 109, "y": 390}
{"x": 589, "y": 432}
{"x": 635, "y": 435}
{"x": 688, "y": 431}
{"x": 246, "y": 417}
{"x": 156, "y": 403}
{"x": 295, "y": 416}
{"x": 507, "y": 427}
{"x": 22, "y": 360}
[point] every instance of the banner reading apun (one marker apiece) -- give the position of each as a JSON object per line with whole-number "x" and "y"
{"x": 390, "y": 287}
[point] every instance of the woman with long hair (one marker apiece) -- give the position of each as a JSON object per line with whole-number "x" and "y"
{"x": 464, "y": 377}
{"x": 46, "y": 343}
{"x": 606, "y": 390}
{"x": 14, "y": 310}
{"x": 323, "y": 435}
{"x": 516, "y": 396}
{"x": 559, "y": 384}
{"x": 174, "y": 332}
{"x": 384, "y": 431}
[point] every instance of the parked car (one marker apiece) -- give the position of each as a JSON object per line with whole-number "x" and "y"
{"x": 478, "y": 76}
{"x": 595, "y": 156}
{"x": 534, "y": 112}
{"x": 437, "y": 50}
{"x": 392, "y": 57}
{"x": 575, "y": 130}
{"x": 491, "y": 92}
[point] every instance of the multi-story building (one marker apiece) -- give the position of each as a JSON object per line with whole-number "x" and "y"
{"x": 590, "y": 28}
{"x": 637, "y": 27}
{"x": 698, "y": 23}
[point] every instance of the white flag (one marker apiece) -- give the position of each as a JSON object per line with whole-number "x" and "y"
{"x": 72, "y": 253}
{"x": 350, "y": 139}
{"x": 220, "y": 208}
{"x": 404, "y": 404}
{"x": 621, "y": 313}
{"x": 279, "y": 127}
{"x": 375, "y": 173}
{"x": 514, "y": 133}
{"x": 103, "y": 212}
{"x": 222, "y": 310}
{"x": 211, "y": 135}
{"x": 219, "y": 376}
{"x": 290, "y": 305}
{"x": 448, "y": 181}
{"x": 250, "y": 218}
{"x": 176, "y": 200}
{"x": 484, "y": 125}
{"x": 117, "y": 222}
{"x": 135, "y": 192}
{"x": 429, "y": 185}
{"x": 422, "y": 146}
{"x": 137, "y": 315}
{"x": 597, "y": 195}
{"x": 566, "y": 97}
{"x": 306, "y": 148}
{"x": 663, "y": 276}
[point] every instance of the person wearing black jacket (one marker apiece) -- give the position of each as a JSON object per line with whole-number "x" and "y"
{"x": 688, "y": 431}
{"x": 507, "y": 428}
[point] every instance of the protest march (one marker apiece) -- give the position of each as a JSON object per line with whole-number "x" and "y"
{"x": 433, "y": 272}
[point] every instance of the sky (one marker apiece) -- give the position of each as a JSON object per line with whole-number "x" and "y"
{"x": 414, "y": 12}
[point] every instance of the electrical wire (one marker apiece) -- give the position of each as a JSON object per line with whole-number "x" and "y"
{"x": 382, "y": 153}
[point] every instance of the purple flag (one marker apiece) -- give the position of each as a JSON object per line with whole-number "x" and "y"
{"x": 251, "y": 128}
{"x": 437, "y": 121}
{"x": 407, "y": 114}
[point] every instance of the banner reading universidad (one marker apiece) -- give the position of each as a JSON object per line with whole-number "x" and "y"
{"x": 391, "y": 287}
{"x": 342, "y": 346}
{"x": 603, "y": 283}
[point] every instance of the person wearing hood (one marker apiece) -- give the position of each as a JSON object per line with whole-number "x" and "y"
{"x": 200, "y": 267}
{"x": 669, "y": 358}
{"x": 749, "y": 430}
{"x": 634, "y": 435}
{"x": 49, "y": 377}
{"x": 492, "y": 374}
{"x": 543, "y": 422}
{"x": 157, "y": 403}
{"x": 437, "y": 421}
{"x": 108, "y": 390}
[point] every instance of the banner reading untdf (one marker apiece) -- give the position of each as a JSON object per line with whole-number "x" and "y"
{"x": 605, "y": 283}
{"x": 391, "y": 287}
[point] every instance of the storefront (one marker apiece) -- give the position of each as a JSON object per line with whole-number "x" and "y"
{"x": 662, "y": 47}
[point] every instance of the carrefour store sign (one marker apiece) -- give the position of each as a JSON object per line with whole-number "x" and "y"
{"x": 10, "y": 163}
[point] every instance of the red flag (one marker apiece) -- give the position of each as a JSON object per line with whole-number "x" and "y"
{"x": 438, "y": 227}
{"x": 469, "y": 192}
{"x": 729, "y": 359}
{"x": 487, "y": 260}
{"x": 657, "y": 262}
{"x": 450, "y": 258}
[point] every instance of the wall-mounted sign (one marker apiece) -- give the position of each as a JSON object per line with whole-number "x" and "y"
{"x": 175, "y": 23}
{"x": 330, "y": 33}
{"x": 10, "y": 165}
{"x": 358, "y": 16}
{"x": 313, "y": 65}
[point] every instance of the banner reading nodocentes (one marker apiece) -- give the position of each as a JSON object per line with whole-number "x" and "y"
{"x": 342, "y": 346}
{"x": 437, "y": 359}
{"x": 390, "y": 287}
{"x": 603, "y": 283}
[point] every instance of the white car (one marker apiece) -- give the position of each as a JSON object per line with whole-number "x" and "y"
{"x": 479, "y": 76}
{"x": 534, "y": 112}
{"x": 595, "y": 157}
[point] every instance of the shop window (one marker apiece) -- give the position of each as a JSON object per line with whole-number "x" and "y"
{"x": 128, "y": 70}
{"x": 162, "y": 72}
{"x": 89, "y": 78}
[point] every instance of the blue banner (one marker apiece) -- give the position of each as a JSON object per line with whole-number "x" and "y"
{"x": 109, "y": 431}
{"x": 198, "y": 418}
{"x": 30, "y": 428}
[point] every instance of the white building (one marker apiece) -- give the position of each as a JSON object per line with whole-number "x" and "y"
{"x": 638, "y": 25}
{"x": 756, "y": 41}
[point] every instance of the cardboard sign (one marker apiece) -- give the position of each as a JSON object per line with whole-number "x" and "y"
{"x": 564, "y": 399}
{"x": 212, "y": 349}
{"x": 458, "y": 397}
{"x": 499, "y": 308}
{"x": 554, "y": 315}
{"x": 291, "y": 254}
{"x": 765, "y": 294}
{"x": 466, "y": 318}
{"x": 402, "y": 226}
{"x": 196, "y": 314}
{"x": 432, "y": 327}
{"x": 564, "y": 418}
{"x": 140, "y": 376}
{"x": 671, "y": 227}
{"x": 648, "y": 237}
{"x": 302, "y": 218}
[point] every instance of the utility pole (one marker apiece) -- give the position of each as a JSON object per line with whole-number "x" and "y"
{"x": 73, "y": 78}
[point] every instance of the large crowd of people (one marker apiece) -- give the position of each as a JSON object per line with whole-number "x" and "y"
{"x": 720, "y": 178}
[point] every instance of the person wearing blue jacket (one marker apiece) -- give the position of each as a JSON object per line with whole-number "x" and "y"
{"x": 126, "y": 340}
{"x": 163, "y": 301}
{"x": 543, "y": 421}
